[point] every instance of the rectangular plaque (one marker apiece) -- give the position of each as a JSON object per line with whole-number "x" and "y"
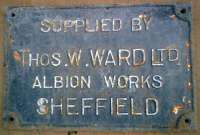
{"x": 107, "y": 68}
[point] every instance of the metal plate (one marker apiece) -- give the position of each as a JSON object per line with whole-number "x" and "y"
{"x": 54, "y": 80}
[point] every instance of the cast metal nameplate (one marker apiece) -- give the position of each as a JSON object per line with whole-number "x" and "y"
{"x": 108, "y": 68}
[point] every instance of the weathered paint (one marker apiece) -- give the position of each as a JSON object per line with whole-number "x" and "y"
{"x": 167, "y": 32}
{"x": 61, "y": 3}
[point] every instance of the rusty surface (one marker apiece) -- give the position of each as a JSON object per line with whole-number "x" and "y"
{"x": 195, "y": 48}
{"x": 23, "y": 24}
